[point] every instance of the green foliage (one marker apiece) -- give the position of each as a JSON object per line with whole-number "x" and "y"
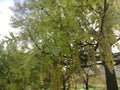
{"x": 54, "y": 35}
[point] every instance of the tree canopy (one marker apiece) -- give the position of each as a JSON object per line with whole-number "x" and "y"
{"x": 57, "y": 39}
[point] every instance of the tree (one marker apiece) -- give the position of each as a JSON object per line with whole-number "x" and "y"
{"x": 59, "y": 31}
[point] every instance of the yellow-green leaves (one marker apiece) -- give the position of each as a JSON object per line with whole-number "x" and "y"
{"x": 58, "y": 31}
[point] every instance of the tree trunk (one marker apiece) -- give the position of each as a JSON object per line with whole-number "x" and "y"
{"x": 111, "y": 81}
{"x": 87, "y": 82}
{"x": 64, "y": 83}
{"x": 87, "y": 87}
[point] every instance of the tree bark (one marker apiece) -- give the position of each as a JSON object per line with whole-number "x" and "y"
{"x": 111, "y": 81}
{"x": 86, "y": 85}
{"x": 64, "y": 83}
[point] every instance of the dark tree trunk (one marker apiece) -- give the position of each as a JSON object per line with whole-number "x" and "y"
{"x": 111, "y": 81}
{"x": 87, "y": 87}
{"x": 87, "y": 82}
{"x": 64, "y": 84}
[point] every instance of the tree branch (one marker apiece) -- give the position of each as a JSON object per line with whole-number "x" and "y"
{"x": 103, "y": 18}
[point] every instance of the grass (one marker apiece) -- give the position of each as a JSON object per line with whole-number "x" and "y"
{"x": 92, "y": 87}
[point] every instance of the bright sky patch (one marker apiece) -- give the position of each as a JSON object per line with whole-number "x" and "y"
{"x": 5, "y": 14}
